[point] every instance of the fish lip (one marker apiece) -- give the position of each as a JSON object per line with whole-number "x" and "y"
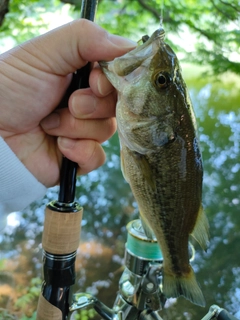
{"x": 159, "y": 33}
{"x": 103, "y": 64}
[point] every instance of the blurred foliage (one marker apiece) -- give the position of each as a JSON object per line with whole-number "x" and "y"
{"x": 5, "y": 315}
{"x": 213, "y": 24}
{"x": 24, "y": 19}
{"x": 84, "y": 314}
{"x": 25, "y": 305}
{"x": 26, "y": 302}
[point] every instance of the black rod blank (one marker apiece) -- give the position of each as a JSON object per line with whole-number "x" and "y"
{"x": 80, "y": 78}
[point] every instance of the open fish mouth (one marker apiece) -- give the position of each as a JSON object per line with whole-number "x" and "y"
{"x": 134, "y": 59}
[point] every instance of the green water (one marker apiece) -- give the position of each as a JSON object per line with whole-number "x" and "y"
{"x": 109, "y": 206}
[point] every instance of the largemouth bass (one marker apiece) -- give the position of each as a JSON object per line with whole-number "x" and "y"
{"x": 160, "y": 156}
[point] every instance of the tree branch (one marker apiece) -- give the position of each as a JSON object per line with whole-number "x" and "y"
{"x": 150, "y": 9}
{"x": 230, "y": 5}
{"x": 222, "y": 11}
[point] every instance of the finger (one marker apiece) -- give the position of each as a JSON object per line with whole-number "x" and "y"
{"x": 88, "y": 154}
{"x": 83, "y": 104}
{"x": 99, "y": 83}
{"x": 62, "y": 123}
{"x": 83, "y": 41}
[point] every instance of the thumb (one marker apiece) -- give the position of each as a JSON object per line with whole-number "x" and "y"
{"x": 69, "y": 47}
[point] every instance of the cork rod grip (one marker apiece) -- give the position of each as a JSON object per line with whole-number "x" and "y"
{"x": 46, "y": 311}
{"x": 61, "y": 231}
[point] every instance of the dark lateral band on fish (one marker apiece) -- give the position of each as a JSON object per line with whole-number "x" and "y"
{"x": 160, "y": 156}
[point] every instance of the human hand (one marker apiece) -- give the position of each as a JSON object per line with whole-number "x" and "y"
{"x": 33, "y": 79}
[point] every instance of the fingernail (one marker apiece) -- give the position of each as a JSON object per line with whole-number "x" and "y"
{"x": 66, "y": 143}
{"x": 122, "y": 42}
{"x": 51, "y": 122}
{"x": 83, "y": 107}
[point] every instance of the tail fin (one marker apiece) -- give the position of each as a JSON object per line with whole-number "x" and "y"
{"x": 187, "y": 286}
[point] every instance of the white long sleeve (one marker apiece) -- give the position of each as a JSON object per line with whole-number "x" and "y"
{"x": 18, "y": 187}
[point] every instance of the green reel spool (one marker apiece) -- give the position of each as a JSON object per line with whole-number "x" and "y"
{"x": 139, "y": 245}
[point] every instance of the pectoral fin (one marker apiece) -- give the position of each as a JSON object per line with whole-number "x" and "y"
{"x": 142, "y": 165}
{"x": 123, "y": 166}
{"x": 201, "y": 230}
{"x": 145, "y": 169}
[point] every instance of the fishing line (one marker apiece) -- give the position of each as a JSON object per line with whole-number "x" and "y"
{"x": 161, "y": 13}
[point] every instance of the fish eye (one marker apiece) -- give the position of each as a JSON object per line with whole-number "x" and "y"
{"x": 163, "y": 79}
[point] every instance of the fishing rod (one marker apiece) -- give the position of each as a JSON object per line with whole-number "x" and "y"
{"x": 63, "y": 217}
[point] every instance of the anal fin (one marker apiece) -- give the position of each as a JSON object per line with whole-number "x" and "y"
{"x": 201, "y": 230}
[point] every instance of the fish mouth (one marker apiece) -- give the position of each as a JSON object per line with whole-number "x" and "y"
{"x": 159, "y": 33}
{"x": 126, "y": 64}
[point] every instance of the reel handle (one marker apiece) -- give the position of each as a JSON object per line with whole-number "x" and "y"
{"x": 224, "y": 315}
{"x": 215, "y": 312}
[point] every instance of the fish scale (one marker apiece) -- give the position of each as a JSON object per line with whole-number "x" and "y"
{"x": 160, "y": 156}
